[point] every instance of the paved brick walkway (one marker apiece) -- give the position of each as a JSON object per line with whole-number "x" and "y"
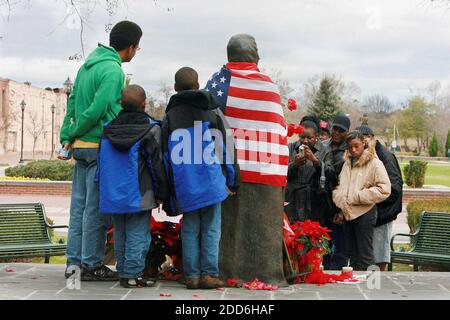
{"x": 39, "y": 281}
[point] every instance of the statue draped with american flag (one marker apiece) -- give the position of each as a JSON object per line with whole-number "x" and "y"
{"x": 252, "y": 221}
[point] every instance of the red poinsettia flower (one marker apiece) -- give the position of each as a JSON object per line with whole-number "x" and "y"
{"x": 291, "y": 130}
{"x": 300, "y": 246}
{"x": 299, "y": 129}
{"x": 292, "y": 104}
{"x": 233, "y": 283}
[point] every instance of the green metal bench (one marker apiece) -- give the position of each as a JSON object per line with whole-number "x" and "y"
{"x": 24, "y": 232}
{"x": 430, "y": 243}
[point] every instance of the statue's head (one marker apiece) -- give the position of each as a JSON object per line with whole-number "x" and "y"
{"x": 242, "y": 48}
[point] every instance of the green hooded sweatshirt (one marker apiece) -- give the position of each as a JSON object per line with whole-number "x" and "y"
{"x": 95, "y": 97}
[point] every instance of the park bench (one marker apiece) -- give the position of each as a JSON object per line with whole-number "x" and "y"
{"x": 24, "y": 232}
{"x": 430, "y": 243}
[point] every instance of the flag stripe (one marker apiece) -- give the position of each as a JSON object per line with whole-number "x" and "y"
{"x": 256, "y": 105}
{"x": 250, "y": 75}
{"x": 253, "y": 85}
{"x": 262, "y": 136}
{"x": 270, "y": 179}
{"x": 268, "y": 158}
{"x": 254, "y": 94}
{"x": 266, "y": 168}
{"x": 236, "y": 123}
{"x": 254, "y": 115}
{"x": 261, "y": 146}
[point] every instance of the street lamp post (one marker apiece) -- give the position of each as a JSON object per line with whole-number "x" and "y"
{"x": 22, "y": 107}
{"x": 68, "y": 85}
{"x": 53, "y": 108}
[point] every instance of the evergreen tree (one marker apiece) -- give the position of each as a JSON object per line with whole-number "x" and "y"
{"x": 326, "y": 103}
{"x": 433, "y": 149}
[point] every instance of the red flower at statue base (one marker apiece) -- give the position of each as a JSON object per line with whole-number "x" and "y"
{"x": 259, "y": 285}
{"x": 307, "y": 243}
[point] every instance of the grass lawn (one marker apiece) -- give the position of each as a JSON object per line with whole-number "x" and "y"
{"x": 56, "y": 259}
{"x": 438, "y": 173}
{"x": 402, "y": 267}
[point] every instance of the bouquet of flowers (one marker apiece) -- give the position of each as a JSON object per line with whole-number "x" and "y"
{"x": 164, "y": 256}
{"x": 307, "y": 243}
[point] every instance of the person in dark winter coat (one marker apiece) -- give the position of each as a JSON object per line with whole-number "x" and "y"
{"x": 339, "y": 256}
{"x": 202, "y": 170}
{"x": 392, "y": 206}
{"x": 132, "y": 182}
{"x": 310, "y": 167}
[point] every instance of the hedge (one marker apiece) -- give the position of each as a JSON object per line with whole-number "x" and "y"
{"x": 415, "y": 173}
{"x": 415, "y": 208}
{"x": 55, "y": 170}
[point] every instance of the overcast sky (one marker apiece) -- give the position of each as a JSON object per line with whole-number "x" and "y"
{"x": 384, "y": 47}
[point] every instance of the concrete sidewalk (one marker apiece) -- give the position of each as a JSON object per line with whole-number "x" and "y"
{"x": 39, "y": 281}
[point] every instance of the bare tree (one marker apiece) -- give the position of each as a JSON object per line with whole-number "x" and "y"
{"x": 378, "y": 104}
{"x": 153, "y": 108}
{"x": 165, "y": 91}
{"x": 79, "y": 12}
{"x": 9, "y": 116}
{"x": 35, "y": 126}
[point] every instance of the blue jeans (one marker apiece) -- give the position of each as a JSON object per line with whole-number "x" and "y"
{"x": 87, "y": 230}
{"x": 131, "y": 243}
{"x": 200, "y": 235}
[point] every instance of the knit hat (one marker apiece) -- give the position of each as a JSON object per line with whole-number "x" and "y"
{"x": 342, "y": 122}
{"x": 365, "y": 130}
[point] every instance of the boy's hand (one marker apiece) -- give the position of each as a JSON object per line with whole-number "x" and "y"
{"x": 65, "y": 147}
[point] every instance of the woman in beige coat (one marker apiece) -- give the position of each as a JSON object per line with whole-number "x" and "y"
{"x": 363, "y": 183}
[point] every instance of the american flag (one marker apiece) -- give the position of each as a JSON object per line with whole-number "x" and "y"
{"x": 252, "y": 106}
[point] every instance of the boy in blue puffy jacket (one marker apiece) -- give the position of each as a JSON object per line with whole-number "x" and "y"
{"x": 202, "y": 170}
{"x": 132, "y": 182}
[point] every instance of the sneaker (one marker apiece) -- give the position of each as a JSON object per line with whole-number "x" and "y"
{"x": 139, "y": 281}
{"x": 192, "y": 283}
{"x": 209, "y": 282}
{"x": 102, "y": 273}
{"x": 68, "y": 274}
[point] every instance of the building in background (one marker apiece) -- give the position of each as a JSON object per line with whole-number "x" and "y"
{"x": 41, "y": 107}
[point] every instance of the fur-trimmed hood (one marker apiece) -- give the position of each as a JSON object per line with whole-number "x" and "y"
{"x": 368, "y": 155}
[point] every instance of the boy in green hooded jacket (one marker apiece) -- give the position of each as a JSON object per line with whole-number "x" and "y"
{"x": 94, "y": 101}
